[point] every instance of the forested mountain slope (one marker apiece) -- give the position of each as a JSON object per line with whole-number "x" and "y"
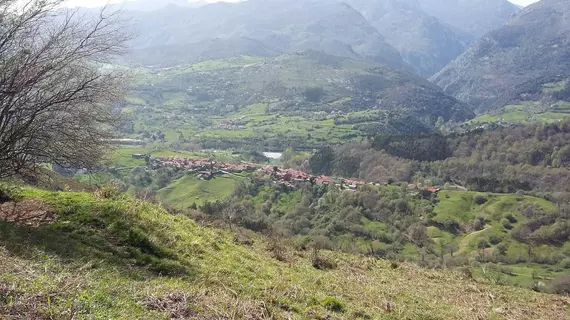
{"x": 332, "y": 97}
{"x": 515, "y": 61}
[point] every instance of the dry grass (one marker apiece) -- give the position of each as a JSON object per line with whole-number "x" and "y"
{"x": 32, "y": 212}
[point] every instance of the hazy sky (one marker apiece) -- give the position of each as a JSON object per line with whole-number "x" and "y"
{"x": 95, "y": 3}
{"x": 523, "y": 2}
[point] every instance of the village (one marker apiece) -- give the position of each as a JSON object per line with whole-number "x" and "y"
{"x": 207, "y": 169}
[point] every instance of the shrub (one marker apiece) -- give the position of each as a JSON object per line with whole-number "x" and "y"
{"x": 479, "y": 199}
{"x": 8, "y": 193}
{"x": 108, "y": 192}
{"x": 278, "y": 250}
{"x": 478, "y": 224}
{"x": 511, "y": 218}
{"x": 495, "y": 239}
{"x": 451, "y": 225}
{"x": 482, "y": 244}
{"x": 333, "y": 304}
{"x": 323, "y": 263}
{"x": 565, "y": 263}
{"x": 502, "y": 249}
{"x": 506, "y": 224}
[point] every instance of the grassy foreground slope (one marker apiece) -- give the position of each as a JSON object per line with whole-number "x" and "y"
{"x": 108, "y": 257}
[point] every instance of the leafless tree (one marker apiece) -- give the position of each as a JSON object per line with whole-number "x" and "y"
{"x": 56, "y": 85}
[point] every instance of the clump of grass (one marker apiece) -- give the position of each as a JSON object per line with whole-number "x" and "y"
{"x": 278, "y": 250}
{"x": 108, "y": 192}
{"x": 175, "y": 304}
{"x": 9, "y": 193}
{"x": 322, "y": 262}
{"x": 333, "y": 304}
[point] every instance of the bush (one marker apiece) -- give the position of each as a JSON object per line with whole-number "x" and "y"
{"x": 502, "y": 249}
{"x": 478, "y": 224}
{"x": 482, "y": 244}
{"x": 511, "y": 218}
{"x": 8, "y": 194}
{"x": 333, "y": 304}
{"x": 478, "y": 199}
{"x": 323, "y": 263}
{"x": 451, "y": 225}
{"x": 506, "y": 224}
{"x": 108, "y": 192}
{"x": 495, "y": 239}
{"x": 565, "y": 263}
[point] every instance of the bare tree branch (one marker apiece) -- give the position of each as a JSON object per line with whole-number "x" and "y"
{"x": 56, "y": 86}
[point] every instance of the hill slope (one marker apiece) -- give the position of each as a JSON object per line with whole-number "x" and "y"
{"x": 476, "y": 17}
{"x": 514, "y": 61}
{"x": 175, "y": 35}
{"x": 101, "y": 258}
{"x": 253, "y": 97}
{"x": 424, "y": 42}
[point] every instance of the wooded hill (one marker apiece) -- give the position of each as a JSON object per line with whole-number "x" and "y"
{"x": 327, "y": 98}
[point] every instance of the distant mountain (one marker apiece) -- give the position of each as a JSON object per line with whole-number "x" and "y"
{"x": 514, "y": 61}
{"x": 150, "y": 5}
{"x": 476, "y": 17}
{"x": 175, "y": 35}
{"x": 424, "y": 42}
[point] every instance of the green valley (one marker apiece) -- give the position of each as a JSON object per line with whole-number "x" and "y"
{"x": 303, "y": 100}
{"x": 284, "y": 159}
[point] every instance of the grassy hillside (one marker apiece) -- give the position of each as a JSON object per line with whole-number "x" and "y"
{"x": 189, "y": 190}
{"x": 499, "y": 214}
{"x": 524, "y": 235}
{"x": 104, "y": 257}
{"x": 305, "y": 100}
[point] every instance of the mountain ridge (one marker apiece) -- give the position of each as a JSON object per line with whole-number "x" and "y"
{"x": 277, "y": 26}
{"x": 424, "y": 41}
{"x": 476, "y": 17}
{"x": 514, "y": 61}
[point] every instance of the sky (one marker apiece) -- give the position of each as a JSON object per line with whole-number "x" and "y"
{"x": 96, "y": 3}
{"x": 523, "y": 2}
